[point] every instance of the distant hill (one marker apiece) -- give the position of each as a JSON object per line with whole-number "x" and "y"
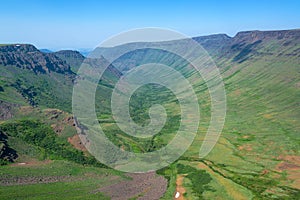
{"x": 85, "y": 52}
{"x": 242, "y": 46}
{"x": 45, "y": 50}
{"x": 73, "y": 58}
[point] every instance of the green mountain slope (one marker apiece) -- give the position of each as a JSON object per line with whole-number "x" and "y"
{"x": 29, "y": 76}
{"x": 258, "y": 153}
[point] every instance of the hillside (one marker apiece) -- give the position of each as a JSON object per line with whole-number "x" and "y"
{"x": 73, "y": 58}
{"x": 27, "y": 56}
{"x": 30, "y": 77}
{"x": 256, "y": 157}
{"x": 258, "y": 152}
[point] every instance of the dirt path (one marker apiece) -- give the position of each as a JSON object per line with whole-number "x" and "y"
{"x": 143, "y": 186}
{"x": 32, "y": 163}
{"x": 179, "y": 188}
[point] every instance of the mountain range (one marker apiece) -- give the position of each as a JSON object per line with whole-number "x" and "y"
{"x": 256, "y": 157}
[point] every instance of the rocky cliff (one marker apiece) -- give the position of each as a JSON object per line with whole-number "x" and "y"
{"x": 27, "y": 56}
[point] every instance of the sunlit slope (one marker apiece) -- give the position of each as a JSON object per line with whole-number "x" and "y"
{"x": 258, "y": 152}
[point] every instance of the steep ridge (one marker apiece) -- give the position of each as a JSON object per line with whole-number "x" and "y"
{"x": 27, "y": 56}
{"x": 73, "y": 58}
{"x": 46, "y": 79}
{"x": 253, "y": 36}
{"x": 213, "y": 43}
{"x": 242, "y": 46}
{"x": 30, "y": 77}
{"x": 260, "y": 43}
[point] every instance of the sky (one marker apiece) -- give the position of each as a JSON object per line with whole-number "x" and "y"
{"x": 75, "y": 24}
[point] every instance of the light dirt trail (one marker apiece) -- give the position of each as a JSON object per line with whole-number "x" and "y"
{"x": 179, "y": 187}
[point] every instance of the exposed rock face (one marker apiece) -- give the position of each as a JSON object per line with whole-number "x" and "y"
{"x": 26, "y": 56}
{"x": 253, "y": 36}
{"x": 246, "y": 44}
{"x": 249, "y": 44}
{"x": 6, "y": 110}
{"x": 212, "y": 43}
{"x": 224, "y": 43}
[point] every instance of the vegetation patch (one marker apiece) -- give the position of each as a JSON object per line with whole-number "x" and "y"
{"x": 7, "y": 154}
{"x": 42, "y": 136}
{"x": 199, "y": 178}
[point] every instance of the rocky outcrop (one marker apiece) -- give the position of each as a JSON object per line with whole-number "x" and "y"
{"x": 27, "y": 56}
{"x": 6, "y": 110}
{"x": 254, "y": 36}
{"x": 213, "y": 43}
{"x": 255, "y": 44}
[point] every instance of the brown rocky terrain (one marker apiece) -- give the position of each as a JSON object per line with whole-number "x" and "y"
{"x": 27, "y": 56}
{"x": 6, "y": 110}
{"x": 143, "y": 186}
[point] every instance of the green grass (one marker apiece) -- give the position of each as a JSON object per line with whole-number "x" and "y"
{"x": 46, "y": 141}
{"x": 199, "y": 178}
{"x": 55, "y": 168}
{"x": 60, "y": 190}
{"x": 261, "y": 124}
{"x": 24, "y": 87}
{"x": 85, "y": 182}
{"x": 170, "y": 174}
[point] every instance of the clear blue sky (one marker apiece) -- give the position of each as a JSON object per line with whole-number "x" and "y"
{"x": 84, "y": 24}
